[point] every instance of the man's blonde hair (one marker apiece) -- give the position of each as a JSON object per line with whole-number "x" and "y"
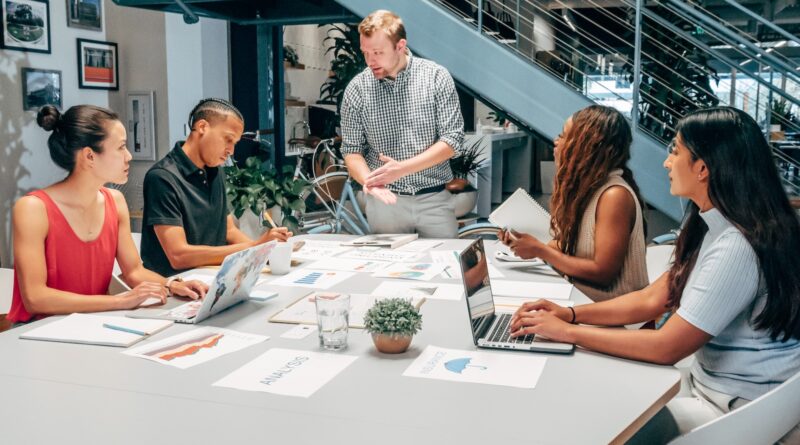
{"x": 386, "y": 21}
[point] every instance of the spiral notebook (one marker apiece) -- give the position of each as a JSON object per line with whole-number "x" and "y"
{"x": 520, "y": 212}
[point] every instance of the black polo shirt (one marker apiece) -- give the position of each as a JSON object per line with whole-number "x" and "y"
{"x": 177, "y": 193}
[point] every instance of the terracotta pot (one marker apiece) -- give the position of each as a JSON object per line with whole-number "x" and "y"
{"x": 457, "y": 185}
{"x": 391, "y": 343}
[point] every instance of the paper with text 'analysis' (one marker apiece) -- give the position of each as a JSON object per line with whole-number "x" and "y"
{"x": 196, "y": 346}
{"x": 288, "y": 372}
{"x": 406, "y": 289}
{"x": 502, "y": 368}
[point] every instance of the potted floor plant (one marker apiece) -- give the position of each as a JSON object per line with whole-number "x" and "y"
{"x": 392, "y": 323}
{"x": 466, "y": 164}
{"x": 254, "y": 189}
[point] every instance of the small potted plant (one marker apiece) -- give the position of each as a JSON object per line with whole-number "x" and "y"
{"x": 392, "y": 322}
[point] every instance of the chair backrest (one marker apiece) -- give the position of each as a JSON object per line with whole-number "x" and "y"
{"x": 658, "y": 260}
{"x": 6, "y": 289}
{"x": 762, "y": 421}
{"x": 137, "y": 240}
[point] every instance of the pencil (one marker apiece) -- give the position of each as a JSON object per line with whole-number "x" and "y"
{"x": 269, "y": 220}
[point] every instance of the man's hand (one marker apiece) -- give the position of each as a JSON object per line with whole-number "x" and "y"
{"x": 390, "y": 172}
{"x": 383, "y": 194}
{"x": 278, "y": 233}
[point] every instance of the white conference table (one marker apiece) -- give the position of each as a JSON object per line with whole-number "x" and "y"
{"x": 69, "y": 393}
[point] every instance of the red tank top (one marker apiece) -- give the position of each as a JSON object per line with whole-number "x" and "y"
{"x": 73, "y": 265}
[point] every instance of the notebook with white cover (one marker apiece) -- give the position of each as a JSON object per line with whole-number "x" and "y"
{"x": 88, "y": 329}
{"x": 390, "y": 240}
{"x": 520, "y": 212}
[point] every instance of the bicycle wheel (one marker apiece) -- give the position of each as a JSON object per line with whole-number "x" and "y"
{"x": 479, "y": 230}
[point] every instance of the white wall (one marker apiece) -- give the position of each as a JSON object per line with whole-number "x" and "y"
{"x": 181, "y": 63}
{"x": 24, "y": 158}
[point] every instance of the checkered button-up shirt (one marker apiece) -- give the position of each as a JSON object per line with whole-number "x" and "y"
{"x": 401, "y": 118}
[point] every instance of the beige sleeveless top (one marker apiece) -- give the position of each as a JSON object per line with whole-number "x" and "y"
{"x": 633, "y": 275}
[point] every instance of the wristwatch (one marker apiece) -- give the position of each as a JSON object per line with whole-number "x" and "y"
{"x": 171, "y": 280}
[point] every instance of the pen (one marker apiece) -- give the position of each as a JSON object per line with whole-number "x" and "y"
{"x": 124, "y": 329}
{"x": 269, "y": 220}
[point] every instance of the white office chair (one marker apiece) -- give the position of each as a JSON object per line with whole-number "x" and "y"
{"x": 659, "y": 257}
{"x": 6, "y": 292}
{"x": 762, "y": 421}
{"x": 137, "y": 239}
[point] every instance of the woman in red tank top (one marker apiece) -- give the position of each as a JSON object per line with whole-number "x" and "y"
{"x": 67, "y": 235}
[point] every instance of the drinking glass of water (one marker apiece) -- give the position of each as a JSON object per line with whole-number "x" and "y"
{"x": 333, "y": 313}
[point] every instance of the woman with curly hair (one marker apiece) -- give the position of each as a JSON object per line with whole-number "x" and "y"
{"x": 597, "y": 221}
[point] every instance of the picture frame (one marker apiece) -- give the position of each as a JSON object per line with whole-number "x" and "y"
{"x": 25, "y": 25}
{"x": 98, "y": 65}
{"x": 85, "y": 14}
{"x": 140, "y": 124}
{"x": 41, "y": 87}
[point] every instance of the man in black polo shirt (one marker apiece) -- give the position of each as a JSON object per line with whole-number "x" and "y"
{"x": 187, "y": 223}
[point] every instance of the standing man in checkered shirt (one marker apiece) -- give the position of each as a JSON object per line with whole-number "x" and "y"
{"x": 401, "y": 123}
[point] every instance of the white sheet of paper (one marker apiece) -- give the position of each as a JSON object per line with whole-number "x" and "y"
{"x": 450, "y": 259}
{"x": 300, "y": 331}
{"x": 200, "y": 277}
{"x": 196, "y": 346}
{"x": 411, "y": 271}
{"x": 494, "y": 272}
{"x": 348, "y": 265}
{"x": 405, "y": 289}
{"x": 316, "y": 249}
{"x": 305, "y": 311}
{"x": 315, "y": 279}
{"x": 492, "y": 368}
{"x": 393, "y": 256}
{"x": 420, "y": 245}
{"x": 287, "y": 372}
{"x": 532, "y": 290}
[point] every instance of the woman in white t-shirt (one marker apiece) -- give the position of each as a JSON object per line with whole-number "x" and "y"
{"x": 733, "y": 289}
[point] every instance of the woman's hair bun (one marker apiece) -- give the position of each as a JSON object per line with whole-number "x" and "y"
{"x": 48, "y": 117}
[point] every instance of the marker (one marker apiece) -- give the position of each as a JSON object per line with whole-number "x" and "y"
{"x": 124, "y": 329}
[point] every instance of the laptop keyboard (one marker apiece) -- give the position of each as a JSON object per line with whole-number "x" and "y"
{"x": 501, "y": 334}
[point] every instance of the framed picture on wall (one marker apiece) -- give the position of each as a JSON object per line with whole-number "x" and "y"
{"x": 26, "y": 25}
{"x": 98, "y": 65}
{"x": 86, "y": 14}
{"x": 40, "y": 88}
{"x": 141, "y": 125}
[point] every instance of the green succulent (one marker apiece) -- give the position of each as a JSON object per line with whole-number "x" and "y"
{"x": 393, "y": 316}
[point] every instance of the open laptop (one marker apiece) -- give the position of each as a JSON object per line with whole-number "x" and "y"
{"x": 232, "y": 284}
{"x": 490, "y": 328}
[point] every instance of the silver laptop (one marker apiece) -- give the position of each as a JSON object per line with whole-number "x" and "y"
{"x": 490, "y": 329}
{"x": 232, "y": 284}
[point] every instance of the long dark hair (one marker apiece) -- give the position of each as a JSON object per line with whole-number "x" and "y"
{"x": 81, "y": 126}
{"x": 743, "y": 184}
{"x": 598, "y": 142}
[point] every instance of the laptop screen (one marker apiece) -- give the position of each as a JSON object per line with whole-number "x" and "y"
{"x": 475, "y": 274}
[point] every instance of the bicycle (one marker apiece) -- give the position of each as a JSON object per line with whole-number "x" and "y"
{"x": 331, "y": 203}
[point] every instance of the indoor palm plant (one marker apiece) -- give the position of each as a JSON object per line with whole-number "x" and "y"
{"x": 467, "y": 163}
{"x": 256, "y": 188}
{"x": 392, "y": 322}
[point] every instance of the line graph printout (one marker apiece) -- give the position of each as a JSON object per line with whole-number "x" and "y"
{"x": 196, "y": 346}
